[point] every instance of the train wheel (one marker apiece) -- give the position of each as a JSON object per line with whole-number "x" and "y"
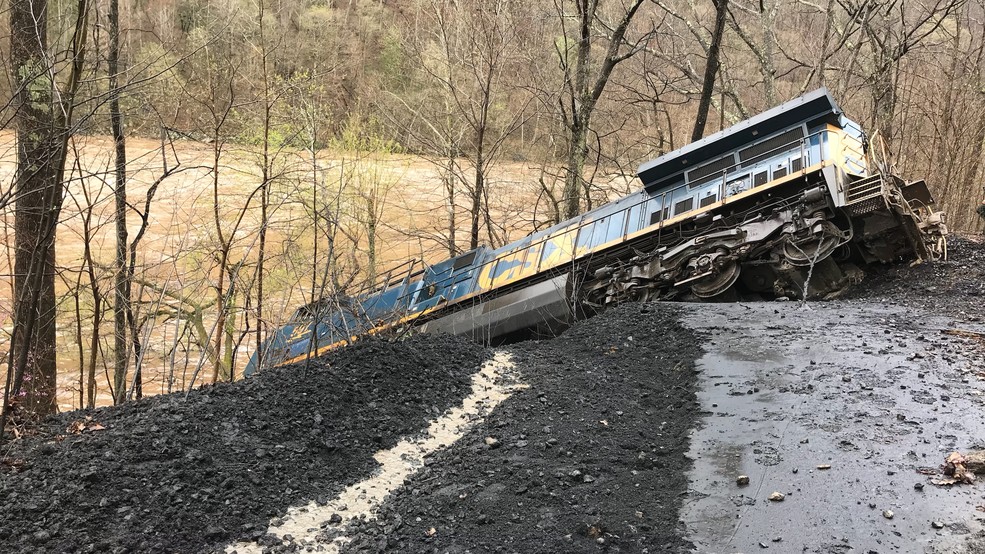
{"x": 812, "y": 250}
{"x": 716, "y": 284}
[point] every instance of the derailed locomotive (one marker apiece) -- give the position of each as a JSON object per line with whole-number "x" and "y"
{"x": 792, "y": 202}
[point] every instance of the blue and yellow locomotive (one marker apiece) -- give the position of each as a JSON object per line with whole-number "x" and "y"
{"x": 791, "y": 202}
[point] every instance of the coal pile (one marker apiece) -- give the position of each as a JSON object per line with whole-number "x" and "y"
{"x": 955, "y": 286}
{"x": 167, "y": 474}
{"x": 589, "y": 458}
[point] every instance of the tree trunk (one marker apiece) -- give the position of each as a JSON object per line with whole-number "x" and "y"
{"x": 450, "y": 206}
{"x": 229, "y": 329}
{"x": 97, "y": 306}
{"x": 264, "y": 186}
{"x": 711, "y": 70}
{"x": 477, "y": 195}
{"x": 122, "y": 283}
{"x": 371, "y": 229}
{"x": 584, "y": 83}
{"x": 577, "y": 154}
{"x": 41, "y": 136}
{"x": 767, "y": 19}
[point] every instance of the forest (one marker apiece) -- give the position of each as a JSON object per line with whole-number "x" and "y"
{"x": 176, "y": 176}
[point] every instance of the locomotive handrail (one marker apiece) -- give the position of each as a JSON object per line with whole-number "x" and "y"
{"x": 382, "y": 281}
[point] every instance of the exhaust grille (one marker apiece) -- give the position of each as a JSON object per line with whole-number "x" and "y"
{"x": 865, "y": 196}
{"x": 864, "y": 189}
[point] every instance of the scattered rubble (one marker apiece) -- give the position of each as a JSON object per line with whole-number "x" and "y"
{"x": 955, "y": 285}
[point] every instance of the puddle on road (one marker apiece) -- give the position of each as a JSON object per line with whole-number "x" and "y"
{"x": 493, "y": 384}
{"x": 828, "y": 395}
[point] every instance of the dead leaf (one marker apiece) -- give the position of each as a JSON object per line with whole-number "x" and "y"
{"x": 975, "y": 461}
{"x": 431, "y": 532}
{"x": 79, "y": 426}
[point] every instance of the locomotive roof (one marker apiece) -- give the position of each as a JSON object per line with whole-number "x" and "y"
{"x": 807, "y": 107}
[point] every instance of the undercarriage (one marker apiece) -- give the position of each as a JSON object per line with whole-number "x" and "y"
{"x": 803, "y": 243}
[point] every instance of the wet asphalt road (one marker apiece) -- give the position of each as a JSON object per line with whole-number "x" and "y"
{"x": 876, "y": 392}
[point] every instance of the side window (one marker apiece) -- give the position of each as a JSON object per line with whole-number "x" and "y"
{"x": 613, "y": 230}
{"x": 684, "y": 205}
{"x": 654, "y": 208}
{"x": 600, "y": 231}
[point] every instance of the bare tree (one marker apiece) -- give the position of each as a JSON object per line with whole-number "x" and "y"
{"x": 766, "y": 50}
{"x": 43, "y": 105}
{"x": 89, "y": 267}
{"x": 121, "y": 289}
{"x": 585, "y": 77}
{"x": 478, "y": 43}
{"x": 892, "y": 30}
{"x": 711, "y": 70}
